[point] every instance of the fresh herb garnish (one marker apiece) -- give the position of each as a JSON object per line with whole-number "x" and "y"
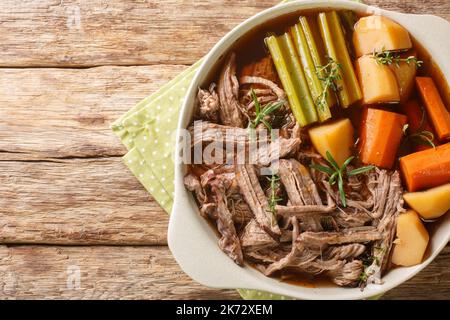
{"x": 338, "y": 173}
{"x": 262, "y": 112}
{"x": 328, "y": 74}
{"x": 274, "y": 199}
{"x": 387, "y": 57}
{"x": 421, "y": 137}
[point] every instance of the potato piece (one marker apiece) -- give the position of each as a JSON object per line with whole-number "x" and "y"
{"x": 432, "y": 203}
{"x": 405, "y": 74}
{"x": 336, "y": 137}
{"x": 378, "y": 33}
{"x": 412, "y": 240}
{"x": 378, "y": 82}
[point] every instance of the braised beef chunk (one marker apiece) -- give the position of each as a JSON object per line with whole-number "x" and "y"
{"x": 345, "y": 252}
{"x": 241, "y": 139}
{"x": 254, "y": 237}
{"x": 302, "y": 191}
{"x": 321, "y": 239}
{"x": 192, "y": 183}
{"x": 229, "y": 241}
{"x": 268, "y": 92}
{"x": 387, "y": 225}
{"x": 304, "y": 211}
{"x": 209, "y": 104}
{"x": 230, "y": 111}
{"x": 347, "y": 275}
{"x": 256, "y": 199}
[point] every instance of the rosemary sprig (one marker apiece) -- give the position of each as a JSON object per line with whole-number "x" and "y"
{"x": 263, "y": 112}
{"x": 274, "y": 199}
{"x": 328, "y": 74}
{"x": 387, "y": 57}
{"x": 338, "y": 173}
{"x": 421, "y": 137}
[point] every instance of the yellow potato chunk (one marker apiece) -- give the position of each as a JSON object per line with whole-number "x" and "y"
{"x": 405, "y": 74}
{"x": 412, "y": 240}
{"x": 335, "y": 137}
{"x": 378, "y": 82}
{"x": 430, "y": 204}
{"x": 378, "y": 33}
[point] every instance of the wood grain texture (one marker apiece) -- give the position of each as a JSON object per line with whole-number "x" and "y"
{"x": 61, "y": 179}
{"x": 29, "y": 272}
{"x": 143, "y": 273}
{"x": 57, "y": 113}
{"x": 77, "y": 201}
{"x": 116, "y": 32}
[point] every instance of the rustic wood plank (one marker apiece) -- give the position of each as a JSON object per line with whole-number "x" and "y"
{"x": 28, "y": 272}
{"x": 67, "y": 112}
{"x": 77, "y": 201}
{"x": 432, "y": 283}
{"x": 99, "y": 32}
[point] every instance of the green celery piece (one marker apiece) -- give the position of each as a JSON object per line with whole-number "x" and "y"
{"x": 328, "y": 39}
{"x": 348, "y": 20}
{"x": 314, "y": 83}
{"x": 307, "y": 102}
{"x": 351, "y": 81}
{"x": 291, "y": 75}
{"x": 313, "y": 40}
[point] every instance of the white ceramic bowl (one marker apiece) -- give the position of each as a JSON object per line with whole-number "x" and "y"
{"x": 193, "y": 242}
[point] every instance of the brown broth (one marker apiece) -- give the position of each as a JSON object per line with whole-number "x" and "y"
{"x": 308, "y": 281}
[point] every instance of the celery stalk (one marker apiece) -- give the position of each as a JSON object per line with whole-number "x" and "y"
{"x": 331, "y": 31}
{"x": 350, "y": 78}
{"x": 314, "y": 83}
{"x": 289, "y": 70}
{"x": 296, "y": 68}
{"x": 312, "y": 34}
{"x": 348, "y": 20}
{"x": 328, "y": 39}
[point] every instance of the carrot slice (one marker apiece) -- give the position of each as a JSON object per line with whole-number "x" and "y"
{"x": 426, "y": 169}
{"x": 417, "y": 121}
{"x": 381, "y": 134}
{"x": 439, "y": 115}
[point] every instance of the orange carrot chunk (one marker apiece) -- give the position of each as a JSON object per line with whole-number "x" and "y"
{"x": 438, "y": 113}
{"x": 426, "y": 169}
{"x": 381, "y": 134}
{"x": 417, "y": 121}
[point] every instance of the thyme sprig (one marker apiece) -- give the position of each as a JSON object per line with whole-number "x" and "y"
{"x": 329, "y": 74}
{"x": 336, "y": 173}
{"x": 387, "y": 57}
{"x": 274, "y": 199}
{"x": 262, "y": 112}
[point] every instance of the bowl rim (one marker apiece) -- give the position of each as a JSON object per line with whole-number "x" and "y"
{"x": 182, "y": 203}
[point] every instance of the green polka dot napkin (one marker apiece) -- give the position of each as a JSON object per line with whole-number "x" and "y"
{"x": 148, "y": 132}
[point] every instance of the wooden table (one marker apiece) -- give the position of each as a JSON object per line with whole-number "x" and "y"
{"x": 74, "y": 222}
